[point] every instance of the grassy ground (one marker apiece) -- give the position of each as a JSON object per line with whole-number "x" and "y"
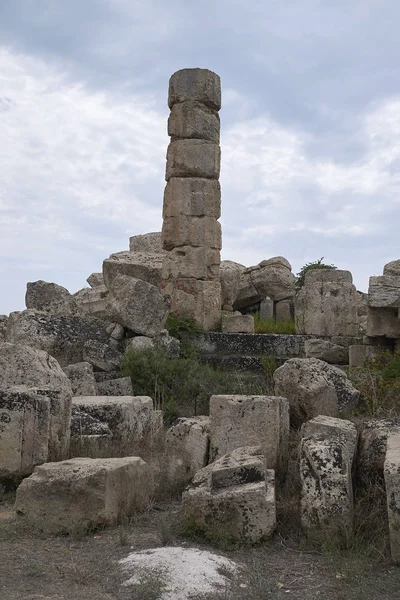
{"x": 68, "y": 568}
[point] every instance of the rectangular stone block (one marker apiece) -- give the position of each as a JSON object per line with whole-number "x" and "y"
{"x": 238, "y": 323}
{"x": 392, "y": 484}
{"x": 198, "y": 299}
{"x": 191, "y": 231}
{"x": 194, "y": 120}
{"x": 186, "y": 261}
{"x": 383, "y": 322}
{"x": 201, "y": 85}
{"x": 24, "y": 431}
{"x": 284, "y": 310}
{"x": 193, "y": 158}
{"x": 267, "y": 309}
{"x": 191, "y": 196}
{"x": 361, "y": 353}
{"x": 384, "y": 291}
{"x": 237, "y": 421}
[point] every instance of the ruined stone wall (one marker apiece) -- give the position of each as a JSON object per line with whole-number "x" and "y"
{"x": 192, "y": 200}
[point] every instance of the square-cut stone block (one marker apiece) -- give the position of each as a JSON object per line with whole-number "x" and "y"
{"x": 200, "y": 300}
{"x": 191, "y": 231}
{"x": 192, "y": 197}
{"x": 187, "y": 261}
{"x": 194, "y": 120}
{"x": 193, "y": 158}
{"x": 201, "y": 85}
{"x": 238, "y": 323}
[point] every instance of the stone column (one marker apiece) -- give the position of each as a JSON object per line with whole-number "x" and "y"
{"x": 192, "y": 200}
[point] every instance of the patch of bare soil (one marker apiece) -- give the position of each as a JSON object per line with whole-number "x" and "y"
{"x": 33, "y": 567}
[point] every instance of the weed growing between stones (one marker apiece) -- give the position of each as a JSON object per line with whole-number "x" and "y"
{"x": 269, "y": 325}
{"x": 316, "y": 264}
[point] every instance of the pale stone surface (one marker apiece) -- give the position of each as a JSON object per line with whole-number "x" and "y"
{"x": 384, "y": 291}
{"x": 198, "y": 299}
{"x": 22, "y": 365}
{"x": 116, "y": 331}
{"x": 92, "y": 302}
{"x": 192, "y": 119}
{"x": 392, "y": 268}
{"x": 276, "y": 261}
{"x": 234, "y": 323}
{"x": 200, "y": 85}
{"x": 263, "y": 421}
{"x": 247, "y": 294}
{"x": 24, "y": 431}
{"x": 230, "y": 273}
{"x": 274, "y": 279}
{"x": 101, "y": 356}
{"x": 50, "y": 298}
{"x": 139, "y": 265}
{"x": 139, "y": 342}
{"x": 327, "y": 451}
{"x": 267, "y": 309}
{"x": 327, "y": 304}
{"x": 82, "y": 379}
{"x": 186, "y": 449}
{"x": 138, "y": 305}
{"x": 392, "y": 484}
{"x": 80, "y": 493}
{"x": 233, "y": 498}
{"x": 383, "y": 322}
{"x": 149, "y": 243}
{"x": 61, "y": 336}
{"x": 359, "y": 354}
{"x": 129, "y": 419}
{"x": 193, "y": 158}
{"x": 372, "y": 448}
{"x": 95, "y": 280}
{"x": 284, "y": 310}
{"x": 327, "y": 351}
{"x": 191, "y": 196}
{"x": 187, "y": 261}
{"x": 191, "y": 231}
{"x": 3, "y": 327}
{"x": 121, "y": 386}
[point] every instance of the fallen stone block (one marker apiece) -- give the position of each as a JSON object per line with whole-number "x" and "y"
{"x": 121, "y": 386}
{"x": 232, "y": 499}
{"x": 327, "y": 351}
{"x": 327, "y": 451}
{"x": 372, "y": 448}
{"x": 359, "y": 354}
{"x": 392, "y": 268}
{"x": 82, "y": 493}
{"x": 392, "y": 484}
{"x": 50, "y": 298}
{"x": 95, "y": 280}
{"x": 147, "y": 243}
{"x": 139, "y": 265}
{"x": 383, "y": 322}
{"x": 384, "y": 291}
{"x": 92, "y": 302}
{"x": 3, "y": 327}
{"x": 82, "y": 379}
{"x": 237, "y": 421}
{"x": 101, "y": 356}
{"x": 230, "y": 273}
{"x": 237, "y": 323}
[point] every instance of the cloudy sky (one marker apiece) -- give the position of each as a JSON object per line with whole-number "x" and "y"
{"x": 310, "y": 130}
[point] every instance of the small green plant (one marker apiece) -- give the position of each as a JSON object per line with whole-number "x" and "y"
{"x": 269, "y": 364}
{"x": 177, "y": 325}
{"x": 316, "y": 264}
{"x": 269, "y": 325}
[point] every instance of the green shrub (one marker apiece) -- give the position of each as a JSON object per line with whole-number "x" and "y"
{"x": 177, "y": 325}
{"x": 316, "y": 264}
{"x": 267, "y": 325}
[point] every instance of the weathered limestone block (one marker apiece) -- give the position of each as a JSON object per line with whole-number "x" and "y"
{"x": 192, "y": 119}
{"x": 327, "y": 304}
{"x": 101, "y": 356}
{"x": 192, "y": 197}
{"x": 116, "y": 331}
{"x": 274, "y": 278}
{"x": 138, "y": 305}
{"x": 121, "y": 386}
{"x": 193, "y": 158}
{"x": 63, "y": 337}
{"x": 198, "y": 299}
{"x": 95, "y": 280}
{"x": 233, "y": 498}
{"x": 392, "y": 268}
{"x": 24, "y": 431}
{"x": 372, "y": 447}
{"x": 22, "y": 365}
{"x": 92, "y": 302}
{"x": 267, "y": 309}
{"x": 3, "y": 327}
{"x": 392, "y": 484}
{"x": 230, "y": 273}
{"x": 139, "y": 265}
{"x": 148, "y": 243}
{"x": 247, "y": 294}
{"x": 327, "y": 451}
{"x": 384, "y": 291}
{"x": 82, "y": 379}
{"x": 383, "y": 322}
{"x": 237, "y": 421}
{"x": 50, "y": 298}
{"x": 129, "y": 419}
{"x": 284, "y": 310}
{"x": 327, "y": 351}
{"x": 186, "y": 449}
{"x": 233, "y": 323}
{"x": 139, "y": 342}
{"x": 359, "y": 354}
{"x": 314, "y": 388}
{"x": 191, "y": 231}
{"x": 82, "y": 493}
{"x": 200, "y": 85}
{"x": 188, "y": 261}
